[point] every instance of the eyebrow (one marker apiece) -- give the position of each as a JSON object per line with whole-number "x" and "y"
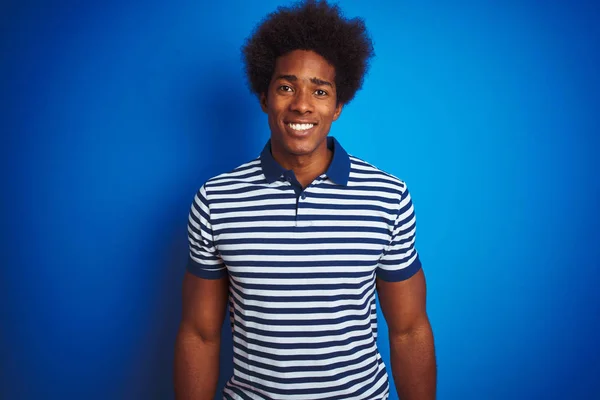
{"x": 316, "y": 81}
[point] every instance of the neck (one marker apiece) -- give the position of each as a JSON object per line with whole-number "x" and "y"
{"x": 306, "y": 167}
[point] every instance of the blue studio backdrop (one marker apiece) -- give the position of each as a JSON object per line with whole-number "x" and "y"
{"x": 113, "y": 114}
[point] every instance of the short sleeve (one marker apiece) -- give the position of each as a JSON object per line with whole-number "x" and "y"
{"x": 400, "y": 259}
{"x": 204, "y": 260}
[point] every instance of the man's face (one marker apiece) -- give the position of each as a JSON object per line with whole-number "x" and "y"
{"x": 301, "y": 104}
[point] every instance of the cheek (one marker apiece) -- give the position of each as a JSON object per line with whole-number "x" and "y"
{"x": 331, "y": 112}
{"x": 274, "y": 118}
{"x": 275, "y": 109}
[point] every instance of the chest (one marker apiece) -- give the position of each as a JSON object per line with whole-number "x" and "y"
{"x": 295, "y": 238}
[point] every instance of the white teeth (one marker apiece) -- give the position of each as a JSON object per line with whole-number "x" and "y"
{"x": 301, "y": 127}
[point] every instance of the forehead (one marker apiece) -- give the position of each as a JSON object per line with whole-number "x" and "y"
{"x": 304, "y": 64}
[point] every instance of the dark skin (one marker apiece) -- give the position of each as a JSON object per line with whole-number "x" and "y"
{"x": 198, "y": 342}
{"x": 412, "y": 353}
{"x": 302, "y": 93}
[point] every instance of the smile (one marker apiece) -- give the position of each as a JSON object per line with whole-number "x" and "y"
{"x": 300, "y": 127}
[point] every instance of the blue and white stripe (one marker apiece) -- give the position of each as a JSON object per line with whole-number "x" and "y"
{"x": 302, "y": 266}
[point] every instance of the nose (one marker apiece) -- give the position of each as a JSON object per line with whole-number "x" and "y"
{"x": 302, "y": 101}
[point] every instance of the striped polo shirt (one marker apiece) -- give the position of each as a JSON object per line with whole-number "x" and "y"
{"x": 302, "y": 266}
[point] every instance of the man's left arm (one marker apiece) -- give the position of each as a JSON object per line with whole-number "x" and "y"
{"x": 411, "y": 339}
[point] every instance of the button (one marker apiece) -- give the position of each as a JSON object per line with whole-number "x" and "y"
{"x": 289, "y": 179}
{"x": 303, "y": 196}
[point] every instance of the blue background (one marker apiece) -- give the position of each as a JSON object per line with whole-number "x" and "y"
{"x": 114, "y": 113}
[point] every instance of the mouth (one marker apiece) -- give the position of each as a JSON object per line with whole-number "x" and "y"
{"x": 300, "y": 128}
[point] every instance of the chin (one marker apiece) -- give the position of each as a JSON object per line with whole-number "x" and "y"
{"x": 299, "y": 150}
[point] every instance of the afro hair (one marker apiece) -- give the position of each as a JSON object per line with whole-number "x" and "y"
{"x": 310, "y": 25}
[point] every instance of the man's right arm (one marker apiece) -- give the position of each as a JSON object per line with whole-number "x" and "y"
{"x": 198, "y": 341}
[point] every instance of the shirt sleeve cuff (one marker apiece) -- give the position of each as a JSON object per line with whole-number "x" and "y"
{"x": 204, "y": 272}
{"x": 400, "y": 274}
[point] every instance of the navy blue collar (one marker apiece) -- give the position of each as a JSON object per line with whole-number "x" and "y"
{"x": 338, "y": 171}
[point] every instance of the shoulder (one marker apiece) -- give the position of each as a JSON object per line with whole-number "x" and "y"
{"x": 363, "y": 173}
{"x": 248, "y": 172}
{"x": 245, "y": 174}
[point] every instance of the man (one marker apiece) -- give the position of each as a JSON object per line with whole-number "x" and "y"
{"x": 299, "y": 240}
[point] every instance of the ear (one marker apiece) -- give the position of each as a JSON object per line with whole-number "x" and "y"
{"x": 338, "y": 111}
{"x": 263, "y": 102}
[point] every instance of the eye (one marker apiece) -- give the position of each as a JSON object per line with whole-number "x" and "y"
{"x": 285, "y": 88}
{"x": 320, "y": 92}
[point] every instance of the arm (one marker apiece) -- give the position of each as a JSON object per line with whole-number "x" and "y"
{"x": 411, "y": 339}
{"x": 199, "y": 337}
